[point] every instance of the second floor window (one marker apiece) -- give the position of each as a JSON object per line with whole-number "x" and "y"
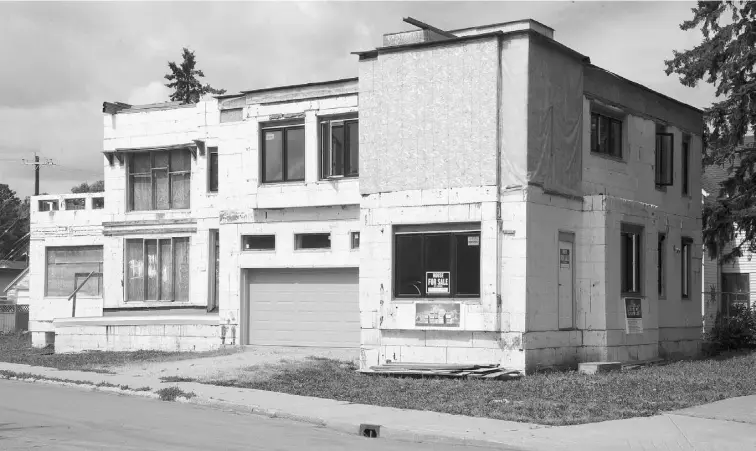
{"x": 339, "y": 148}
{"x": 283, "y": 154}
{"x": 606, "y": 135}
{"x": 212, "y": 163}
{"x": 686, "y": 168}
{"x": 159, "y": 180}
{"x": 664, "y": 159}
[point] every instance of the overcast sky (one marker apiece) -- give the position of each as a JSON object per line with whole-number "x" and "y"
{"x": 60, "y": 61}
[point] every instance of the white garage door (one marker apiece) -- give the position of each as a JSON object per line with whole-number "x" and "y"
{"x": 304, "y": 307}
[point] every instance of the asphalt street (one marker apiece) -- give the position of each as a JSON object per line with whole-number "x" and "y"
{"x": 39, "y": 416}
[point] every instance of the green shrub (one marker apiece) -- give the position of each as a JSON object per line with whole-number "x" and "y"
{"x": 736, "y": 331}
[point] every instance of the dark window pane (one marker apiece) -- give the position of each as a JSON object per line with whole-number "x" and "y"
{"x": 258, "y": 242}
{"x": 98, "y": 203}
{"x": 161, "y": 160}
{"x": 468, "y": 264}
{"x": 180, "y": 160}
{"x": 354, "y": 146}
{"x": 603, "y": 134}
{"x": 273, "y": 155}
{"x": 616, "y": 139}
{"x": 594, "y": 133}
{"x": 295, "y": 154}
{"x": 438, "y": 253}
{"x": 337, "y": 149}
{"x": 313, "y": 241}
{"x": 685, "y": 169}
{"x": 409, "y": 275}
{"x": 140, "y": 163}
{"x": 325, "y": 149}
{"x": 355, "y": 240}
{"x": 213, "y": 163}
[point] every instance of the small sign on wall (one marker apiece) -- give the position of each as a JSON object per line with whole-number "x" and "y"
{"x": 564, "y": 257}
{"x": 437, "y": 282}
{"x": 437, "y": 314}
{"x": 633, "y": 316}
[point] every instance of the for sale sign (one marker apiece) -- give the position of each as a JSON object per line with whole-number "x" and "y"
{"x": 437, "y": 282}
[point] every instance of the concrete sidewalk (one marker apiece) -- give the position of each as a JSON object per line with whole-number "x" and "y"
{"x": 725, "y": 425}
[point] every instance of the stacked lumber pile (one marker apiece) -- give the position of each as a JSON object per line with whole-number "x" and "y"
{"x": 465, "y": 371}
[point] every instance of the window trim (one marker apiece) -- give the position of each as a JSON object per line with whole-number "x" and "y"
{"x": 453, "y": 265}
{"x": 213, "y": 150}
{"x": 129, "y": 183}
{"x": 686, "y": 269}
{"x": 686, "y": 166}
{"x": 611, "y": 119}
{"x": 661, "y": 265}
{"x": 275, "y": 242}
{"x": 158, "y": 253}
{"x": 352, "y": 235}
{"x": 313, "y": 249}
{"x": 284, "y": 157}
{"x": 658, "y": 158}
{"x": 326, "y": 157}
{"x": 634, "y": 229}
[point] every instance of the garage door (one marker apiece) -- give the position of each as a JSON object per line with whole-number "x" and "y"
{"x": 304, "y": 307}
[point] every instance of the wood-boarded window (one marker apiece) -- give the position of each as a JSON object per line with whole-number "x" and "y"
{"x": 631, "y": 255}
{"x": 66, "y": 267}
{"x": 339, "y": 148}
{"x": 664, "y": 159}
{"x": 159, "y": 180}
{"x": 157, "y": 269}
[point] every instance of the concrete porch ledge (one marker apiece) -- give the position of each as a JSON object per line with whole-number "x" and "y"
{"x": 210, "y": 320}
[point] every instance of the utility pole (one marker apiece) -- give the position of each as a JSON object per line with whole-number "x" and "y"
{"x": 36, "y": 164}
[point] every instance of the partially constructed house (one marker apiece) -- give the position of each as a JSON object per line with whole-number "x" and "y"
{"x": 479, "y": 195}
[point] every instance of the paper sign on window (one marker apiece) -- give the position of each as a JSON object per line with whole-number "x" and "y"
{"x": 473, "y": 241}
{"x": 270, "y": 136}
{"x": 437, "y": 282}
{"x": 564, "y": 257}
{"x": 633, "y": 316}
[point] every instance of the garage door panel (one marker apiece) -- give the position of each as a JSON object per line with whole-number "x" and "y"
{"x": 304, "y": 307}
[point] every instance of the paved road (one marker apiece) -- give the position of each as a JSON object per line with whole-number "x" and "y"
{"x": 36, "y": 416}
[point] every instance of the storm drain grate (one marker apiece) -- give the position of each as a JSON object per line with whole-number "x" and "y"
{"x": 370, "y": 430}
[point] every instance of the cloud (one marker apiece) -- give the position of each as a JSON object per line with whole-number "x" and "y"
{"x": 154, "y": 92}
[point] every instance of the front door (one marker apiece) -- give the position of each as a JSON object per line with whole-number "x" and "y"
{"x": 566, "y": 292}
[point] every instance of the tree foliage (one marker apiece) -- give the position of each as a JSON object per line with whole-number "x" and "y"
{"x": 726, "y": 58}
{"x": 184, "y": 80}
{"x": 14, "y": 224}
{"x": 94, "y": 187}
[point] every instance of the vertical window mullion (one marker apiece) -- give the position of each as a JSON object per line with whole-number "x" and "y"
{"x": 284, "y": 158}
{"x": 158, "y": 255}
{"x": 453, "y": 265}
{"x": 345, "y": 158}
{"x": 144, "y": 268}
{"x": 173, "y": 270}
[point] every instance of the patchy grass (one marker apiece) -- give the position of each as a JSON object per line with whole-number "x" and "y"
{"x": 18, "y": 349}
{"x": 552, "y": 399}
{"x": 172, "y": 393}
{"x": 176, "y": 379}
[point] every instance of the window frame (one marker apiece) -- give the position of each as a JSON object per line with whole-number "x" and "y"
{"x": 730, "y": 297}
{"x": 326, "y": 155}
{"x": 354, "y": 236}
{"x": 627, "y": 229}
{"x": 686, "y": 167}
{"x": 210, "y": 152}
{"x": 283, "y": 128}
{"x": 298, "y": 236}
{"x": 153, "y": 169}
{"x": 659, "y": 174}
{"x": 75, "y": 275}
{"x": 661, "y": 270}
{"x": 454, "y": 273}
{"x": 686, "y": 269}
{"x": 259, "y": 235}
{"x": 597, "y": 149}
{"x": 145, "y": 262}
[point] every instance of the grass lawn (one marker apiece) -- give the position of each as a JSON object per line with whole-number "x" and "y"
{"x": 550, "y": 399}
{"x": 18, "y": 349}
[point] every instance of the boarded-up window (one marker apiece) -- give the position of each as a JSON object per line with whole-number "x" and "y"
{"x": 157, "y": 269}
{"x": 159, "y": 180}
{"x": 232, "y": 115}
{"x": 67, "y": 267}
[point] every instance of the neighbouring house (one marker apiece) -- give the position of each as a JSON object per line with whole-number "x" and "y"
{"x": 724, "y": 284}
{"x": 9, "y": 271}
{"x": 475, "y": 195}
{"x": 17, "y": 291}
